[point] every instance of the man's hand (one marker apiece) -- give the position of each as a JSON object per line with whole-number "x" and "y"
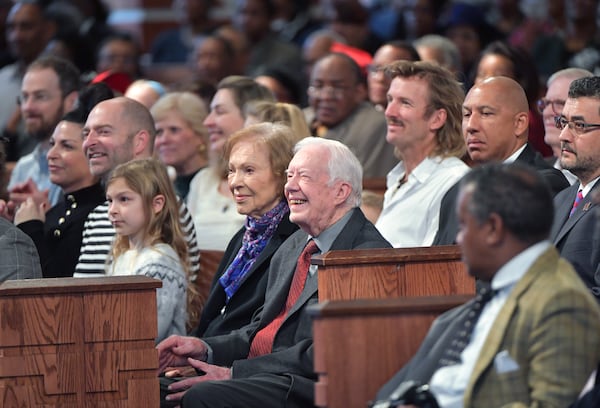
{"x": 213, "y": 373}
{"x": 22, "y": 191}
{"x": 29, "y": 210}
{"x": 175, "y": 350}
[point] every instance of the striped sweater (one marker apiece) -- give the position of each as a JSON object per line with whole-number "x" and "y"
{"x": 98, "y": 234}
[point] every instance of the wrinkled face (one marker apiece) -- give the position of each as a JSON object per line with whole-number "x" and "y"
{"x": 580, "y": 154}
{"x": 377, "y": 81}
{"x": 488, "y": 125}
{"x": 333, "y": 92}
{"x": 126, "y": 210}
{"x": 25, "y": 31}
{"x": 407, "y": 125}
{"x": 212, "y": 63}
{"x": 494, "y": 65}
{"x": 66, "y": 161}
{"x": 118, "y": 56}
{"x": 42, "y": 102}
{"x": 176, "y": 143}
{"x": 108, "y": 141}
{"x": 225, "y": 118}
{"x": 310, "y": 196}
{"x": 255, "y": 188}
{"x": 471, "y": 238}
{"x": 555, "y": 98}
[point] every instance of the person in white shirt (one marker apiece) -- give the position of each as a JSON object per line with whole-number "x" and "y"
{"x": 424, "y": 126}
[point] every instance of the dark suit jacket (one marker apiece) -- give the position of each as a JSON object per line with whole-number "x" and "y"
{"x": 292, "y": 354}
{"x": 548, "y": 326}
{"x": 59, "y": 243}
{"x": 20, "y": 259}
{"x": 251, "y": 294}
{"x": 448, "y": 228}
{"x": 574, "y": 236}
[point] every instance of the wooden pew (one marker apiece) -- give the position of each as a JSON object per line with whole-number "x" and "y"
{"x": 79, "y": 342}
{"x": 360, "y": 344}
{"x": 379, "y": 304}
{"x": 392, "y": 273}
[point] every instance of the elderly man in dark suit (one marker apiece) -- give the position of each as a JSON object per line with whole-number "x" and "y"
{"x": 573, "y": 226}
{"x": 20, "y": 259}
{"x": 269, "y": 363}
{"x": 535, "y": 341}
{"x": 495, "y": 127}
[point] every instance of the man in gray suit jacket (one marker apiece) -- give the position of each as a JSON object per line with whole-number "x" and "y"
{"x": 20, "y": 259}
{"x": 323, "y": 191}
{"x": 572, "y": 229}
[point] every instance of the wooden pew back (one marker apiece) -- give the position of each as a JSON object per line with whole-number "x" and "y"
{"x": 79, "y": 342}
{"x": 392, "y": 273}
{"x": 360, "y": 344}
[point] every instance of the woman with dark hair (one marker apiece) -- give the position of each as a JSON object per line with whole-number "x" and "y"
{"x": 57, "y": 233}
{"x": 502, "y": 59}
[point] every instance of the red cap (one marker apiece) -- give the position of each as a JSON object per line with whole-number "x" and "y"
{"x": 117, "y": 81}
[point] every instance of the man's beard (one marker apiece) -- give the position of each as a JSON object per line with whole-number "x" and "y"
{"x": 44, "y": 132}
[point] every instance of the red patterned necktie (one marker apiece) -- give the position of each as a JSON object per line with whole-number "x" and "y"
{"x": 576, "y": 202}
{"x": 263, "y": 341}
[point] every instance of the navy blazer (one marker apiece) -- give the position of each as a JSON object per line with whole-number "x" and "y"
{"x": 250, "y": 295}
{"x": 448, "y": 227}
{"x": 292, "y": 354}
{"x": 574, "y": 236}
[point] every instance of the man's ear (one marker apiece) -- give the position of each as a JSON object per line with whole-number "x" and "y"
{"x": 438, "y": 118}
{"x": 158, "y": 203}
{"x": 495, "y": 229}
{"x": 140, "y": 143}
{"x": 343, "y": 191}
{"x": 521, "y": 123}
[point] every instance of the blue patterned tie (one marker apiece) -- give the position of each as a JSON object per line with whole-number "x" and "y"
{"x": 576, "y": 202}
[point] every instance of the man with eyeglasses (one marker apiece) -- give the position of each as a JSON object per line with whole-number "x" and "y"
{"x": 574, "y": 221}
{"x": 339, "y": 110}
{"x": 49, "y": 90}
{"x": 551, "y": 105}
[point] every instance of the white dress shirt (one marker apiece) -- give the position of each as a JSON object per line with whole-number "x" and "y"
{"x": 411, "y": 211}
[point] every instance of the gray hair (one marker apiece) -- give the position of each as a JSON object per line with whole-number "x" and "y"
{"x": 571, "y": 73}
{"x": 450, "y": 53}
{"x": 343, "y": 165}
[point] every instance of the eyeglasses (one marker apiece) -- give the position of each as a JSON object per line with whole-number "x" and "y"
{"x": 338, "y": 92}
{"x": 576, "y": 126}
{"x": 556, "y": 104}
{"x": 374, "y": 70}
{"x": 36, "y": 98}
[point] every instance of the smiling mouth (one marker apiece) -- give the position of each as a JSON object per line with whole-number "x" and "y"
{"x": 297, "y": 202}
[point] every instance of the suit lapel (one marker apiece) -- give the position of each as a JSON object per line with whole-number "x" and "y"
{"x": 495, "y": 339}
{"x": 568, "y": 222}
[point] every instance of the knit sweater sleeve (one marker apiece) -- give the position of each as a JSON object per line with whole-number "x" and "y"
{"x": 170, "y": 298}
